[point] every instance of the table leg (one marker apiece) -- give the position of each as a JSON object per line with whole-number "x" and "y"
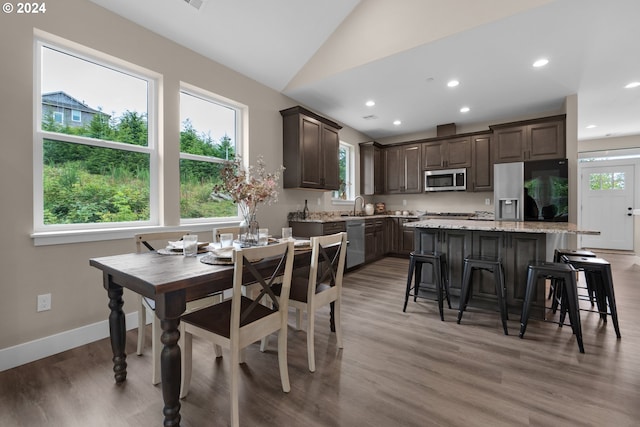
{"x": 169, "y": 308}
{"x": 170, "y": 371}
{"x": 117, "y": 330}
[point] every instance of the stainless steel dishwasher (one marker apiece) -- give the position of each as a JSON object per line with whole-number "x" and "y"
{"x": 355, "y": 247}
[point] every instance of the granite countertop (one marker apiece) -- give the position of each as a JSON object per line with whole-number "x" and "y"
{"x": 508, "y": 226}
{"x": 337, "y": 218}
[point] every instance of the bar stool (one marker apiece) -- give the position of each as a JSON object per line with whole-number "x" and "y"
{"x": 597, "y": 272}
{"x": 438, "y": 262}
{"x": 493, "y": 265}
{"x": 557, "y": 257}
{"x": 561, "y": 273}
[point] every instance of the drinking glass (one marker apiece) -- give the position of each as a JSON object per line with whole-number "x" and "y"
{"x": 190, "y": 245}
{"x": 287, "y": 233}
{"x": 263, "y": 236}
{"x": 226, "y": 239}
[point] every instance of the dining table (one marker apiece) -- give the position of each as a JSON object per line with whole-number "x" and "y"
{"x": 171, "y": 281}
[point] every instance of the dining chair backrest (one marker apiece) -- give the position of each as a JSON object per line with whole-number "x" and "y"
{"x": 218, "y": 231}
{"x": 327, "y": 264}
{"x": 247, "y": 270}
{"x": 152, "y": 241}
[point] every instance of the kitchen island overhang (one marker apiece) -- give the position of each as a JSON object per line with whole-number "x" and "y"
{"x": 515, "y": 243}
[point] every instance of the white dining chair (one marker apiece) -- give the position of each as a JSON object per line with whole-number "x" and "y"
{"x": 322, "y": 287}
{"x": 240, "y": 321}
{"x": 144, "y": 242}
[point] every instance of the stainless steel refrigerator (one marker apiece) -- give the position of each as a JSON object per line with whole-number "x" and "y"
{"x": 531, "y": 191}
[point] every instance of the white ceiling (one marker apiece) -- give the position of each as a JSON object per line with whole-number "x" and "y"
{"x": 333, "y": 55}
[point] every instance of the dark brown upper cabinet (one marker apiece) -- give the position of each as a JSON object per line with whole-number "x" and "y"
{"x": 372, "y": 171}
{"x": 310, "y": 150}
{"x": 480, "y": 175}
{"x": 538, "y": 139}
{"x": 447, "y": 154}
{"x": 403, "y": 169}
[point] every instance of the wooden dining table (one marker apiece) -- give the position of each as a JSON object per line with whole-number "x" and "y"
{"x": 171, "y": 281}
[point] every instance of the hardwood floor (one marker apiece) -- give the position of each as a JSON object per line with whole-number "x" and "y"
{"x": 396, "y": 369}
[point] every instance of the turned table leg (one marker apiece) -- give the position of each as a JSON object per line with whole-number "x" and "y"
{"x": 117, "y": 329}
{"x": 169, "y": 308}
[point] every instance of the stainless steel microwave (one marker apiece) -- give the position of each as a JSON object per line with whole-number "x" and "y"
{"x": 445, "y": 180}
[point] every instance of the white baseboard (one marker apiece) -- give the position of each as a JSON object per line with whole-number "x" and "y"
{"x": 21, "y": 354}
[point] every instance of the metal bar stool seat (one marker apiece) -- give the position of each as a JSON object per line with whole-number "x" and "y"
{"x": 597, "y": 272}
{"x": 490, "y": 264}
{"x": 438, "y": 262}
{"x": 557, "y": 257}
{"x": 561, "y": 273}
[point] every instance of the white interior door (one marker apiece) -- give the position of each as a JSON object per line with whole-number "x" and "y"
{"x": 607, "y": 197}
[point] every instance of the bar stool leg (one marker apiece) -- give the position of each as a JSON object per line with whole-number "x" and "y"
{"x": 444, "y": 269}
{"x": 417, "y": 276}
{"x": 526, "y": 306}
{"x": 437, "y": 274}
{"x": 608, "y": 285}
{"x": 412, "y": 263}
{"x": 499, "y": 279}
{"x": 571, "y": 288}
{"x": 464, "y": 291}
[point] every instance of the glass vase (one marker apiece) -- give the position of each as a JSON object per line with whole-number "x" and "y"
{"x": 251, "y": 230}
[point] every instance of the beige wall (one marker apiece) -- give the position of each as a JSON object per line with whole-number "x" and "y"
{"x": 63, "y": 270}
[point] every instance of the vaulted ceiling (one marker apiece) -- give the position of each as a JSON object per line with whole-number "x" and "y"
{"x": 334, "y": 55}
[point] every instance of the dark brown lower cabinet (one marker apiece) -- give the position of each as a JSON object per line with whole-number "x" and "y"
{"x": 374, "y": 239}
{"x": 515, "y": 249}
{"x": 401, "y": 241}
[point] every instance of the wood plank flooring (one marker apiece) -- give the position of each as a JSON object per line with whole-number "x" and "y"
{"x": 396, "y": 369}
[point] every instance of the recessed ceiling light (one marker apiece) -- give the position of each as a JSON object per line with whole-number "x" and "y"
{"x": 632, "y": 85}
{"x": 370, "y": 103}
{"x": 453, "y": 83}
{"x": 591, "y": 126}
{"x": 397, "y": 122}
{"x": 541, "y": 62}
{"x": 464, "y": 109}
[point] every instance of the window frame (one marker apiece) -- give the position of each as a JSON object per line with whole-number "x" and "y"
{"x": 56, "y": 115}
{"x": 241, "y": 118}
{"x": 57, "y": 231}
{"x": 350, "y": 175}
{"x": 79, "y": 119}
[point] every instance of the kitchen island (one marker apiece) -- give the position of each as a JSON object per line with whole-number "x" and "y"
{"x": 516, "y": 243}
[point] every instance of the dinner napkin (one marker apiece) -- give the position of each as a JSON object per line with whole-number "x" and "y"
{"x": 223, "y": 252}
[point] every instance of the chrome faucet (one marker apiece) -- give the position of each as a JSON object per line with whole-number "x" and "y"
{"x": 355, "y": 201}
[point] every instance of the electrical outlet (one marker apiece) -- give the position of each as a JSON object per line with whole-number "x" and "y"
{"x": 404, "y": 203}
{"x": 44, "y": 302}
{"x": 319, "y": 201}
{"x": 487, "y": 202}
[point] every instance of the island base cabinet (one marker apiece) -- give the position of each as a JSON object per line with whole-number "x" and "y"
{"x": 515, "y": 249}
{"x": 449, "y": 242}
{"x": 522, "y": 249}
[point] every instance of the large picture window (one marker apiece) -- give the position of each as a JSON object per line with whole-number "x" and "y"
{"x": 94, "y": 142}
{"x": 208, "y": 137}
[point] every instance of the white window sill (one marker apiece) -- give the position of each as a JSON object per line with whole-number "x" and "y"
{"x": 47, "y": 238}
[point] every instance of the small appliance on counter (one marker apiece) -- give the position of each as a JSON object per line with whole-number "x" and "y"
{"x": 380, "y": 208}
{"x": 369, "y": 209}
